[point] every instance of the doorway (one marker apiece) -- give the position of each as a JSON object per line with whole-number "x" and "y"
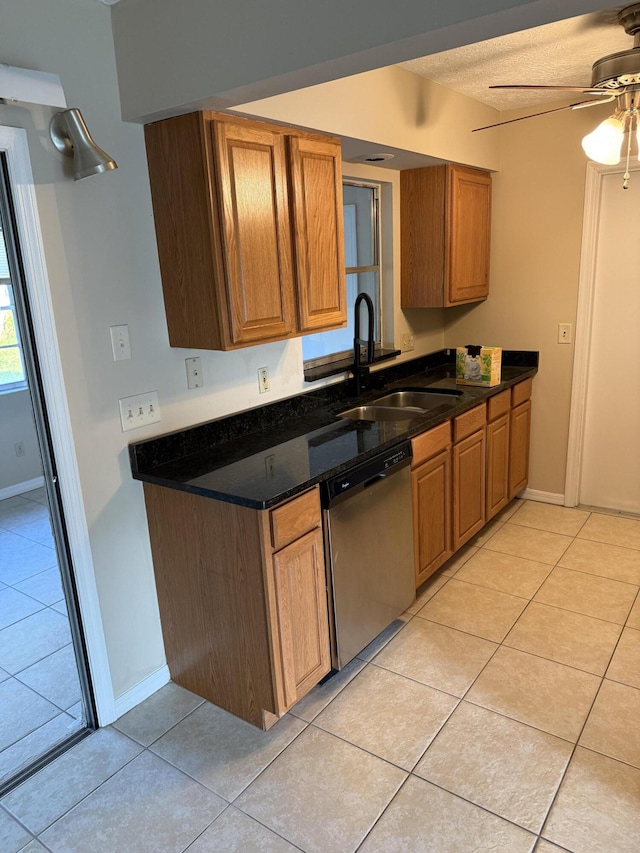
{"x": 604, "y": 455}
{"x": 45, "y": 689}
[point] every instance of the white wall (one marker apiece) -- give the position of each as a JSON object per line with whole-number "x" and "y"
{"x": 174, "y": 55}
{"x": 16, "y": 424}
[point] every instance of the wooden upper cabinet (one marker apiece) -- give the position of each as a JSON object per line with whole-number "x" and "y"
{"x": 248, "y": 221}
{"x": 445, "y": 235}
{"x": 316, "y": 179}
{"x": 255, "y": 249}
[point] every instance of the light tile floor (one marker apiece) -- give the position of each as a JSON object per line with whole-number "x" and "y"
{"x": 39, "y": 688}
{"x": 500, "y": 712}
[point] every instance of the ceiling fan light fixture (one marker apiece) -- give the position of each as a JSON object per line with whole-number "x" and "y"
{"x": 605, "y": 142}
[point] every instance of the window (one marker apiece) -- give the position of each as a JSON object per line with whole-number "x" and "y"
{"x": 12, "y": 377}
{"x": 362, "y": 261}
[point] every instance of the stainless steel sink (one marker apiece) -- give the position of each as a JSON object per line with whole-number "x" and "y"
{"x": 381, "y": 413}
{"x": 415, "y": 399}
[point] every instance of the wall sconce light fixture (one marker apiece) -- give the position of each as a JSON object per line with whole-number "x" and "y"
{"x": 70, "y": 135}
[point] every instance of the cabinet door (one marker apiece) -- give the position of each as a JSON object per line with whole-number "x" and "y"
{"x": 302, "y": 615}
{"x": 431, "y": 484}
{"x": 519, "y": 448}
{"x": 256, "y": 232}
{"x": 468, "y": 487}
{"x": 497, "y": 465}
{"x": 318, "y": 233}
{"x": 469, "y": 234}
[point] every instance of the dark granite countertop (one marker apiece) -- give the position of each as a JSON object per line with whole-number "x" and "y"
{"x": 265, "y": 455}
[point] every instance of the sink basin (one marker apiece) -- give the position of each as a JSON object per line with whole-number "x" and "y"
{"x": 381, "y": 413}
{"x": 415, "y": 399}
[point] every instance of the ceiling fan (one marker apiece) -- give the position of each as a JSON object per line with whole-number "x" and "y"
{"x": 615, "y": 77}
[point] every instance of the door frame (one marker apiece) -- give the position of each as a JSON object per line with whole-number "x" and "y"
{"x": 584, "y": 322}
{"x": 14, "y": 143}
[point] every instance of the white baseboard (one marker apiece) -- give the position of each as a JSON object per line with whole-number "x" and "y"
{"x": 543, "y": 497}
{"x": 141, "y": 691}
{"x": 21, "y": 488}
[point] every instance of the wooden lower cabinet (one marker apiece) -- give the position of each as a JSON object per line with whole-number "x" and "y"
{"x": 519, "y": 448}
{"x": 431, "y": 484}
{"x": 242, "y": 599}
{"x": 497, "y": 465}
{"x": 468, "y": 487}
{"x": 458, "y": 488}
{"x": 300, "y": 609}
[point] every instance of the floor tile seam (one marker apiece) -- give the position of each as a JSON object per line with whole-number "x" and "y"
{"x": 620, "y": 625}
{"x": 468, "y": 633}
{"x": 606, "y": 542}
{"x": 316, "y": 725}
{"x": 49, "y": 700}
{"x": 519, "y": 556}
{"x": 251, "y": 817}
{"x": 473, "y": 583}
{"x": 594, "y": 575}
{"x": 92, "y": 791}
{"x": 554, "y": 660}
{"x": 346, "y": 684}
{"x": 533, "y": 833}
{"x": 415, "y": 680}
{"x": 155, "y": 740}
{"x": 31, "y": 731}
{"x": 81, "y": 800}
{"x": 381, "y": 815}
{"x": 571, "y": 757}
{"x": 20, "y": 824}
{"x": 546, "y": 529}
{"x": 206, "y": 828}
{"x": 610, "y": 757}
{"x": 581, "y": 612}
{"x": 551, "y": 660}
{"x": 506, "y": 716}
{"x": 344, "y": 739}
{"x": 495, "y": 589}
{"x": 249, "y": 783}
{"x": 39, "y": 660}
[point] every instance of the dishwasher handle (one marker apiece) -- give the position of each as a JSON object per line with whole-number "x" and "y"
{"x": 375, "y": 479}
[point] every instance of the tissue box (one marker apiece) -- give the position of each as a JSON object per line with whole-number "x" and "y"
{"x": 476, "y": 365}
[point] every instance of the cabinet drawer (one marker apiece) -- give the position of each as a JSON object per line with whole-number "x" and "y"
{"x": 468, "y": 423}
{"x": 498, "y": 405}
{"x": 429, "y": 443}
{"x": 291, "y": 520}
{"x": 521, "y": 392}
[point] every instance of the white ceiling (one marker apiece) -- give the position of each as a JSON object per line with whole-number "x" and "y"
{"x": 561, "y": 53}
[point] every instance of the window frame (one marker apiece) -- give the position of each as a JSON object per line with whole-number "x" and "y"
{"x": 21, "y": 384}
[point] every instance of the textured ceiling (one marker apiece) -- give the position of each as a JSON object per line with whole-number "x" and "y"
{"x": 555, "y": 54}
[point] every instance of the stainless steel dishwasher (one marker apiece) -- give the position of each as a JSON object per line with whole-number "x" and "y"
{"x": 369, "y": 541}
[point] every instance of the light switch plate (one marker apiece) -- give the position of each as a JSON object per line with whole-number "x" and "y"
{"x": 120, "y": 343}
{"x": 564, "y": 333}
{"x": 138, "y": 411}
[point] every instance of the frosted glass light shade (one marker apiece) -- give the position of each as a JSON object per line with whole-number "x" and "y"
{"x": 604, "y": 143}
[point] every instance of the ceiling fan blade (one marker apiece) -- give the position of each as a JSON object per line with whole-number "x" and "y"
{"x": 585, "y": 91}
{"x": 577, "y": 106}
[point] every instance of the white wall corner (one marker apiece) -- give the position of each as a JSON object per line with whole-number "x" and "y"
{"x": 140, "y": 692}
{"x": 543, "y": 497}
{"x": 21, "y": 488}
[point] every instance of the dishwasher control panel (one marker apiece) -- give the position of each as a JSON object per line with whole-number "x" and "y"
{"x": 366, "y": 473}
